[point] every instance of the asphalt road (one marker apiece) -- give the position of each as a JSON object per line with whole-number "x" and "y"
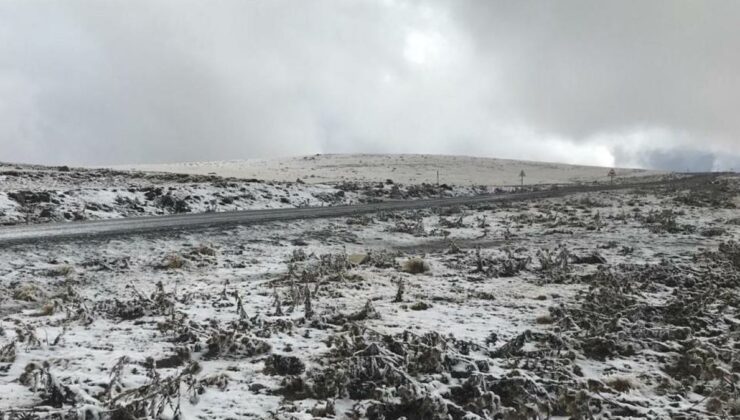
{"x": 135, "y": 225}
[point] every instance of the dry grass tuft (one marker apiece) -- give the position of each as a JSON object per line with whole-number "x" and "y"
{"x": 420, "y": 306}
{"x": 64, "y": 270}
{"x": 172, "y": 262}
{"x": 205, "y": 250}
{"x": 714, "y": 405}
{"x": 415, "y": 266}
{"x": 46, "y": 310}
{"x": 620, "y": 383}
{"x": 28, "y": 292}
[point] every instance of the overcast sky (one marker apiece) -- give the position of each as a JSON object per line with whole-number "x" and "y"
{"x": 628, "y": 83}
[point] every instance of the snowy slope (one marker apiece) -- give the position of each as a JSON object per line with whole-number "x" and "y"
{"x": 407, "y": 169}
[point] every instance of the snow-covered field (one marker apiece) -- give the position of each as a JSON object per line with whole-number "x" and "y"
{"x": 38, "y": 194}
{"x": 34, "y": 194}
{"x": 618, "y": 304}
{"x": 405, "y": 169}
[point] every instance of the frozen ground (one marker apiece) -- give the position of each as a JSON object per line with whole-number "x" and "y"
{"x": 405, "y": 169}
{"x": 36, "y": 194}
{"x": 619, "y": 304}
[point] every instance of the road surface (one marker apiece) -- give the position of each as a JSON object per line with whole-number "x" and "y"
{"x": 135, "y": 225}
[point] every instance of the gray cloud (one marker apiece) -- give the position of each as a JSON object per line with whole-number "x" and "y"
{"x": 681, "y": 160}
{"x": 165, "y": 80}
{"x": 581, "y": 67}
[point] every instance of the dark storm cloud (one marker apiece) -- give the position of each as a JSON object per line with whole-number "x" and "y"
{"x": 574, "y": 81}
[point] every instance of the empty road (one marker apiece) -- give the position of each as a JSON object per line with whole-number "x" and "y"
{"x": 134, "y": 225}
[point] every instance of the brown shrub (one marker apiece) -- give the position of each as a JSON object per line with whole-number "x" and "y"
{"x": 172, "y": 262}
{"x": 415, "y": 266}
{"x": 620, "y": 384}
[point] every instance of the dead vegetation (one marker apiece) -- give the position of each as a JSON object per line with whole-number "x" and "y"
{"x": 507, "y": 266}
{"x": 349, "y": 332}
{"x": 415, "y": 265}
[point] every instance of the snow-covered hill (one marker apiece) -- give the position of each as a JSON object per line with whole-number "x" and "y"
{"x": 406, "y": 169}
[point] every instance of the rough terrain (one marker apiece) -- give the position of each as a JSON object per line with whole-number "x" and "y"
{"x": 38, "y": 194}
{"x": 597, "y": 305}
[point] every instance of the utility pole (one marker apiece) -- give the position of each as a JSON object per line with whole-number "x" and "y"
{"x": 522, "y": 175}
{"x": 439, "y": 190}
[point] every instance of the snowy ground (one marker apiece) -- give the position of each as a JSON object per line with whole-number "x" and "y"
{"x": 596, "y": 305}
{"x": 405, "y": 169}
{"x": 35, "y": 194}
